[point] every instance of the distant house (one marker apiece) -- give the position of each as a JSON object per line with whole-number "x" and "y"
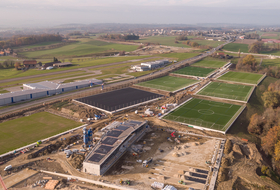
{"x": 30, "y": 64}
{"x": 2, "y": 53}
{"x": 220, "y": 53}
{"x": 241, "y": 37}
{"x": 51, "y": 64}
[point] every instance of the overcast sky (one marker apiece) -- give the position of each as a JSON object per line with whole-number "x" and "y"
{"x": 55, "y": 12}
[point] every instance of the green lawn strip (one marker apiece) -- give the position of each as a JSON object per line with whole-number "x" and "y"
{"x": 271, "y": 62}
{"x": 228, "y": 91}
{"x": 83, "y": 47}
{"x": 211, "y": 43}
{"x": 194, "y": 71}
{"x": 163, "y": 40}
{"x": 236, "y": 46}
{"x": 204, "y": 113}
{"x": 178, "y": 56}
{"x": 210, "y": 62}
{"x": 26, "y": 130}
{"x": 168, "y": 83}
{"x": 39, "y": 79}
{"x": 254, "y": 105}
{"x": 3, "y": 91}
{"x": 78, "y": 63}
{"x": 250, "y": 78}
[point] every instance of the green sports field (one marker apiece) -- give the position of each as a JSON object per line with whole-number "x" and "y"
{"x": 168, "y": 83}
{"x": 204, "y": 113}
{"x": 26, "y": 130}
{"x": 195, "y": 71}
{"x": 228, "y": 91}
{"x": 250, "y": 78}
{"x": 211, "y": 63}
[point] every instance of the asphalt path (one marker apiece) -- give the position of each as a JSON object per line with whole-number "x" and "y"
{"x": 68, "y": 71}
{"x": 62, "y": 96}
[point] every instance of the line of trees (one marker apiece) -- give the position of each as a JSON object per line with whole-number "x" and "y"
{"x": 16, "y": 41}
{"x": 119, "y": 37}
{"x": 7, "y": 64}
{"x": 181, "y": 38}
{"x": 267, "y": 125}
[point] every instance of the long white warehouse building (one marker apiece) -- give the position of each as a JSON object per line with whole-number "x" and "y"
{"x": 43, "y": 89}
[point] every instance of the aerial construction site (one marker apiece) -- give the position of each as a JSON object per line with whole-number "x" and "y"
{"x": 162, "y": 133}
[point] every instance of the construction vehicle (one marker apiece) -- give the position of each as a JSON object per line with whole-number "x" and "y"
{"x": 146, "y": 162}
{"x": 181, "y": 182}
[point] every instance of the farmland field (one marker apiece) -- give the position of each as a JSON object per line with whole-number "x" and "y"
{"x": 235, "y": 47}
{"x": 163, "y": 40}
{"x": 271, "y": 62}
{"x": 83, "y": 47}
{"x": 178, "y": 56}
{"x": 204, "y": 113}
{"x": 168, "y": 83}
{"x": 208, "y": 42}
{"x": 195, "y": 71}
{"x": 26, "y": 130}
{"x": 250, "y": 78}
{"x": 228, "y": 91}
{"x": 209, "y": 62}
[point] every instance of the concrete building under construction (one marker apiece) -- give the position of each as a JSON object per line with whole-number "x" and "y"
{"x": 117, "y": 138}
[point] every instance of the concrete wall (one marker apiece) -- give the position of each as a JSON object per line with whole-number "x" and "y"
{"x": 91, "y": 168}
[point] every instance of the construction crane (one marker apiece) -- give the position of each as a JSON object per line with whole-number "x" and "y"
{"x": 2, "y": 183}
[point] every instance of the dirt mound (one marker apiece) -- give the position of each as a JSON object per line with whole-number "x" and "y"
{"x": 225, "y": 162}
{"x": 53, "y": 147}
{"x": 228, "y": 146}
{"x": 255, "y": 154}
{"x": 237, "y": 150}
{"x": 223, "y": 174}
{"x": 76, "y": 160}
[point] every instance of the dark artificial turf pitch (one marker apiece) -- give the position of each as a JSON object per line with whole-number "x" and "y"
{"x": 118, "y": 99}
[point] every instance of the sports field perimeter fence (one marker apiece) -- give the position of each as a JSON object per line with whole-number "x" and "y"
{"x": 216, "y": 95}
{"x": 193, "y": 121}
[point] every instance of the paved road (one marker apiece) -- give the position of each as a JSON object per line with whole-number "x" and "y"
{"x": 156, "y": 73}
{"x": 67, "y": 71}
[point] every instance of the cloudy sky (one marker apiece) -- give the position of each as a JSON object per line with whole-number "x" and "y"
{"x": 55, "y": 12}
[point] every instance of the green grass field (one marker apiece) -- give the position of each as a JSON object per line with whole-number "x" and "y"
{"x": 83, "y": 47}
{"x": 26, "y": 130}
{"x": 235, "y": 47}
{"x": 271, "y": 62}
{"x": 39, "y": 44}
{"x": 163, "y": 40}
{"x": 228, "y": 91}
{"x": 168, "y": 83}
{"x": 194, "y": 71}
{"x": 208, "y": 42}
{"x": 204, "y": 113}
{"x": 250, "y": 78}
{"x": 178, "y": 56}
{"x": 210, "y": 62}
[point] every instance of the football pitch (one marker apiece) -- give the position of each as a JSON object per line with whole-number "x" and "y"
{"x": 26, "y": 130}
{"x": 250, "y": 78}
{"x": 168, "y": 83}
{"x": 211, "y": 63}
{"x": 204, "y": 113}
{"x": 195, "y": 71}
{"x": 228, "y": 91}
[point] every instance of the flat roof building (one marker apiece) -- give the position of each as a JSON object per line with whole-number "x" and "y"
{"x": 113, "y": 144}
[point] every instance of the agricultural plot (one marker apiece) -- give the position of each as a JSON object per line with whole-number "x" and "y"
{"x": 235, "y": 47}
{"x": 163, "y": 40}
{"x": 228, "y": 91}
{"x": 211, "y": 63}
{"x": 168, "y": 83}
{"x": 249, "y": 78}
{"x": 195, "y": 71}
{"x": 26, "y": 130}
{"x": 204, "y": 113}
{"x": 83, "y": 47}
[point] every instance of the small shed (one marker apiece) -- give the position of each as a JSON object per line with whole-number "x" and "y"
{"x": 66, "y": 64}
